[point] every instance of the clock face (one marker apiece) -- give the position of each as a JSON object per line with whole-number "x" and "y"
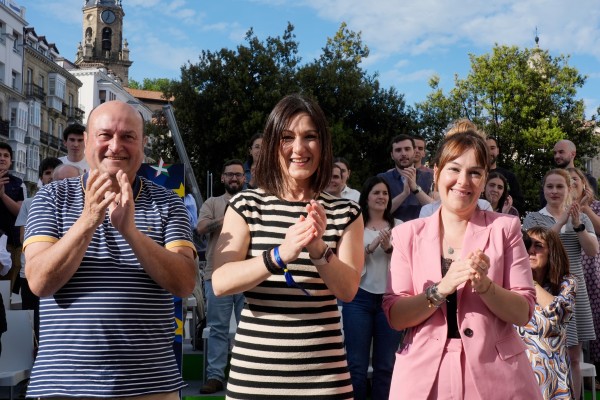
{"x": 108, "y": 17}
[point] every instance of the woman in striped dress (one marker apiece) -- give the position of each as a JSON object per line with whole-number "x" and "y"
{"x": 591, "y": 265}
{"x": 576, "y": 233}
{"x": 292, "y": 249}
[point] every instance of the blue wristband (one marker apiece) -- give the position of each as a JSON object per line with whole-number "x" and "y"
{"x": 278, "y": 259}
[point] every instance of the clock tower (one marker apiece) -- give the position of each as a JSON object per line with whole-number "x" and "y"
{"x": 103, "y": 44}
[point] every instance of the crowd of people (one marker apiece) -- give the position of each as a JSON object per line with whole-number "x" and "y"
{"x": 423, "y": 284}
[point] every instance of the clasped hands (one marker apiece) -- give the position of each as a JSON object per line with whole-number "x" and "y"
{"x": 572, "y": 211}
{"x": 104, "y": 192}
{"x": 473, "y": 268}
{"x": 410, "y": 173}
{"x": 305, "y": 232}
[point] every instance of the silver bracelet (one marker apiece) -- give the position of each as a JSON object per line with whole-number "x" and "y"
{"x": 434, "y": 298}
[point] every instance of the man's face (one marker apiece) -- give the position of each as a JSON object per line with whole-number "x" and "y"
{"x": 75, "y": 146}
{"x": 5, "y": 160}
{"x": 233, "y": 178}
{"x": 403, "y": 154}
{"x": 563, "y": 155}
{"x": 419, "y": 150}
{"x": 47, "y": 176}
{"x": 493, "y": 150}
{"x": 345, "y": 173}
{"x": 114, "y": 139}
{"x": 335, "y": 184}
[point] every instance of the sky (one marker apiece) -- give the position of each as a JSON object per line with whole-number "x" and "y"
{"x": 409, "y": 40}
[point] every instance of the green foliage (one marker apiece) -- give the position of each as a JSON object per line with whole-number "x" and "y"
{"x": 225, "y": 98}
{"x": 523, "y": 98}
{"x": 157, "y": 84}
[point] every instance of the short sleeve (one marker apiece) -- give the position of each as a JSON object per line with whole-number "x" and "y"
{"x": 42, "y": 218}
{"x": 178, "y": 231}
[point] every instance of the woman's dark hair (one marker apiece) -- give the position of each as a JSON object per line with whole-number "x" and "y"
{"x": 363, "y": 201}
{"x": 269, "y": 175}
{"x": 504, "y": 195}
{"x": 558, "y": 261}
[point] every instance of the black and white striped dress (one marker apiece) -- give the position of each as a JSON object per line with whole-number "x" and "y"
{"x": 581, "y": 327}
{"x": 289, "y": 344}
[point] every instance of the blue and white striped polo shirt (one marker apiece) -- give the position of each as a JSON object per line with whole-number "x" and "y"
{"x": 109, "y": 331}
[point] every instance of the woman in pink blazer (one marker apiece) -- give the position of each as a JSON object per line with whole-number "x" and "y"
{"x": 459, "y": 280}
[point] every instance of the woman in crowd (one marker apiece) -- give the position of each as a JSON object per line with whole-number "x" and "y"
{"x": 292, "y": 249}
{"x": 590, "y": 206}
{"x": 546, "y": 333}
{"x": 576, "y": 233}
{"x": 496, "y": 192}
{"x": 459, "y": 280}
{"x": 250, "y": 164}
{"x": 365, "y": 324}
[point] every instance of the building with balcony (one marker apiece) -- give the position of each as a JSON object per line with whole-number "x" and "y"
{"x": 13, "y": 107}
{"x": 52, "y": 95}
{"x": 99, "y": 86}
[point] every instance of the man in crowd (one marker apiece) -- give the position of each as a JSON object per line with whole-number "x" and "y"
{"x": 219, "y": 309}
{"x": 73, "y": 139}
{"x": 420, "y": 152}
{"x": 514, "y": 189}
{"x": 347, "y": 191}
{"x": 11, "y": 198}
{"x": 409, "y": 187}
{"x": 106, "y": 253}
{"x": 564, "y": 157}
{"x": 336, "y": 183}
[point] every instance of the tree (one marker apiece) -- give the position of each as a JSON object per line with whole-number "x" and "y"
{"x": 523, "y": 98}
{"x": 363, "y": 117}
{"x": 225, "y": 98}
{"x": 156, "y": 84}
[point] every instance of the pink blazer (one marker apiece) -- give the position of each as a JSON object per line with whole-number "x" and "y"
{"x": 494, "y": 352}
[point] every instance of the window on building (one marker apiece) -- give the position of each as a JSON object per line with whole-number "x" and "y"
{"x": 17, "y": 40}
{"x": 57, "y": 85}
{"x": 16, "y": 81}
{"x": 2, "y": 73}
{"x": 41, "y": 80}
{"x": 102, "y": 96}
{"x": 29, "y": 76}
{"x": 35, "y": 113}
{"x": 50, "y": 126}
{"x": 106, "y": 39}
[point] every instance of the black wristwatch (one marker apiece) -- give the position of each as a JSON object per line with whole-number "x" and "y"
{"x": 579, "y": 228}
{"x": 417, "y": 190}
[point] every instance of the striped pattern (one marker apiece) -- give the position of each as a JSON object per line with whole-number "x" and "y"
{"x": 288, "y": 344}
{"x": 581, "y": 326}
{"x": 109, "y": 331}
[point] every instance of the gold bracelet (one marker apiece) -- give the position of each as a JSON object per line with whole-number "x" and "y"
{"x": 488, "y": 288}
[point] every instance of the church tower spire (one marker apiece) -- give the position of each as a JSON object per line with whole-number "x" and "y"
{"x": 103, "y": 44}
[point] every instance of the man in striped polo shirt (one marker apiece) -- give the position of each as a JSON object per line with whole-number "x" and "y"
{"x": 105, "y": 252}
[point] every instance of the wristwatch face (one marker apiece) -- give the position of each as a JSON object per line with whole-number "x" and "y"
{"x": 328, "y": 254}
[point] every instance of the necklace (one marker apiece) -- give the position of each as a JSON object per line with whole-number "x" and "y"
{"x": 451, "y": 249}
